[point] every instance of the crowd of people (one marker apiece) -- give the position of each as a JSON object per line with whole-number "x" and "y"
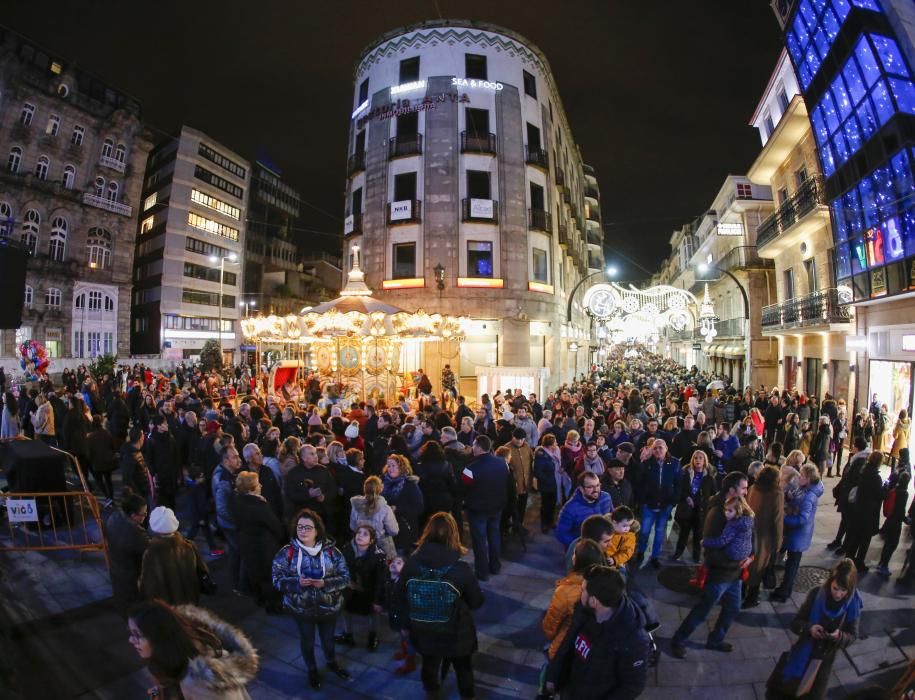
{"x": 335, "y": 516}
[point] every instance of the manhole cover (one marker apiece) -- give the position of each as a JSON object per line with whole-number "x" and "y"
{"x": 810, "y": 577}
{"x": 676, "y": 578}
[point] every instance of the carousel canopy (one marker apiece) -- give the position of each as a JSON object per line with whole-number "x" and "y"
{"x": 355, "y": 313}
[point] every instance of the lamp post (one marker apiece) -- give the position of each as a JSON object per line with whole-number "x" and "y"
{"x": 611, "y": 272}
{"x": 231, "y": 257}
{"x": 439, "y": 271}
{"x": 704, "y": 267}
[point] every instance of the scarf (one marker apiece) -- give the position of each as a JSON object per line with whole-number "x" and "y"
{"x": 820, "y": 614}
{"x": 393, "y": 487}
{"x": 563, "y": 481}
{"x": 310, "y": 551}
{"x": 595, "y": 465}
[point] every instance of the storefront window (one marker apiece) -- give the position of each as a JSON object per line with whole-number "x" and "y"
{"x": 892, "y": 383}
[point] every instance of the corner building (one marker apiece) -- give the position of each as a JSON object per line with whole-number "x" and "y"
{"x": 467, "y": 195}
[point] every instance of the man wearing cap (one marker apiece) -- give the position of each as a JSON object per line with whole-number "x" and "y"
{"x": 171, "y": 565}
{"x": 615, "y": 483}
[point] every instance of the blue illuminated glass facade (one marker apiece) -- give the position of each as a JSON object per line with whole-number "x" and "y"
{"x": 858, "y": 85}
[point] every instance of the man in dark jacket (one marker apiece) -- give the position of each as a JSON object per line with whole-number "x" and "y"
{"x": 458, "y": 456}
{"x": 774, "y": 417}
{"x": 486, "y": 481}
{"x": 223, "y": 485}
{"x": 311, "y": 485}
{"x": 658, "y": 492}
{"x": 605, "y": 651}
{"x": 163, "y": 460}
{"x": 723, "y": 582}
{"x": 744, "y": 455}
{"x": 615, "y": 483}
{"x": 270, "y": 487}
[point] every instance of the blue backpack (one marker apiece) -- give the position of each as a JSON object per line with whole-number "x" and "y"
{"x": 432, "y": 600}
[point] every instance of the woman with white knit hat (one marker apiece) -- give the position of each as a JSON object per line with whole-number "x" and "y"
{"x": 172, "y": 566}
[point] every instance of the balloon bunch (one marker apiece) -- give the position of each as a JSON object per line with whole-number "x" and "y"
{"x": 34, "y": 359}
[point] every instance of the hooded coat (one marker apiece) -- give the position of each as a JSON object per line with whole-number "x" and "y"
{"x": 260, "y": 534}
{"x": 799, "y": 526}
{"x": 223, "y": 677}
{"x": 381, "y": 518}
{"x": 171, "y": 570}
{"x": 559, "y": 615}
{"x": 293, "y": 562}
{"x": 767, "y": 501}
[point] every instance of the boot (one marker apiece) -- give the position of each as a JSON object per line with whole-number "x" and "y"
{"x": 701, "y": 575}
{"x": 409, "y": 665}
{"x": 345, "y": 638}
{"x": 373, "y": 640}
{"x": 401, "y": 653}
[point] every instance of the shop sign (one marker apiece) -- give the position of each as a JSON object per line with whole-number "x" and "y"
{"x": 481, "y": 208}
{"x": 407, "y": 106}
{"x": 401, "y": 211}
{"x": 473, "y": 83}
{"x": 349, "y": 224}
{"x": 730, "y": 229}
{"x": 878, "y": 282}
{"x": 908, "y": 342}
{"x": 22, "y": 510}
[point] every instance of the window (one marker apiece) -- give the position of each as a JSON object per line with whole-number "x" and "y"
{"x": 57, "y": 247}
{"x": 108, "y": 340}
{"x": 211, "y": 226}
{"x": 800, "y": 177}
{"x": 409, "y": 70}
{"x": 109, "y": 304}
{"x": 782, "y": 195}
{"x": 530, "y": 84}
{"x": 782, "y": 98}
{"x": 41, "y": 168}
{"x": 478, "y": 184}
{"x": 151, "y": 200}
{"x": 52, "y": 341}
{"x": 53, "y": 127}
{"x": 6, "y": 219}
{"x": 30, "y": 226}
{"x": 533, "y": 137}
{"x": 107, "y": 148}
{"x": 479, "y": 259}
{"x": 363, "y": 91}
{"x": 408, "y": 124}
{"x": 68, "y": 178}
{"x": 29, "y": 296}
{"x": 192, "y": 296}
{"x": 209, "y": 274}
{"x": 537, "y": 200}
{"x": 404, "y": 261}
{"x": 228, "y": 164}
{"x": 789, "y": 284}
{"x": 111, "y": 194}
{"x": 95, "y": 301}
{"x": 360, "y": 143}
{"x": 195, "y": 246}
{"x": 15, "y": 159}
{"x": 404, "y": 186}
{"x": 357, "y": 201}
{"x": 206, "y": 200}
{"x": 744, "y": 190}
{"x": 147, "y": 224}
{"x": 541, "y": 265}
{"x": 477, "y": 121}
{"x": 120, "y": 153}
{"x": 52, "y": 298}
{"x": 99, "y": 186}
{"x": 76, "y": 139}
{"x": 475, "y": 66}
{"x": 28, "y": 112}
{"x": 211, "y": 178}
{"x": 98, "y": 243}
{"x": 810, "y": 267}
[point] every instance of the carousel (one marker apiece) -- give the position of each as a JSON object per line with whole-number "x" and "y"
{"x": 353, "y": 343}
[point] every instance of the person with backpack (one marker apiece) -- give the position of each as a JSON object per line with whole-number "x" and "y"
{"x": 439, "y": 592}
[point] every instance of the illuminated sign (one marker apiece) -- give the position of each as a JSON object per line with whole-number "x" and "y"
{"x": 730, "y": 229}
{"x": 860, "y": 257}
{"x": 407, "y": 106}
{"x": 489, "y": 282}
{"x": 908, "y": 342}
{"x": 407, "y": 87}
{"x": 473, "y": 83}
{"x": 411, "y": 283}
{"x": 892, "y": 241}
{"x": 873, "y": 240}
{"x": 360, "y": 109}
{"x": 878, "y": 282}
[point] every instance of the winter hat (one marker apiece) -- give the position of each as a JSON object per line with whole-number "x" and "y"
{"x": 213, "y": 426}
{"x": 162, "y": 521}
{"x": 335, "y": 412}
{"x": 625, "y": 447}
{"x": 352, "y": 430}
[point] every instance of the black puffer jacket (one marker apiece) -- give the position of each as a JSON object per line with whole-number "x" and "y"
{"x": 436, "y": 481}
{"x": 461, "y": 639}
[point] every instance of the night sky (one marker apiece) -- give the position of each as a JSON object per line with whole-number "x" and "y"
{"x": 658, "y": 93}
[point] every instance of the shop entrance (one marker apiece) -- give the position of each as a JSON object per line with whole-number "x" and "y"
{"x": 892, "y": 383}
{"x": 813, "y": 372}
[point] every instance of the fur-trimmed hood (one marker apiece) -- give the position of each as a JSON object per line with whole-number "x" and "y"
{"x": 230, "y": 671}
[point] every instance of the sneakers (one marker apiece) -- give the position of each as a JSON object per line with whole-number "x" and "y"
{"x": 719, "y": 646}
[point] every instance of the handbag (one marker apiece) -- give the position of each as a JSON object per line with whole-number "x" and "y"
{"x": 793, "y": 688}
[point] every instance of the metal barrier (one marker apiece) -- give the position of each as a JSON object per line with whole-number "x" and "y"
{"x": 60, "y": 520}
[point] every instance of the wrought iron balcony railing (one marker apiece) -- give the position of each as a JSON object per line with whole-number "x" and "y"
{"x": 807, "y": 197}
{"x": 818, "y": 308}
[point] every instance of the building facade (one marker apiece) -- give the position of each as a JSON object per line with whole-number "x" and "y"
{"x": 191, "y": 230}
{"x": 467, "y": 195}
{"x": 705, "y": 252}
{"x": 808, "y": 321}
{"x": 74, "y": 152}
{"x": 854, "y": 61}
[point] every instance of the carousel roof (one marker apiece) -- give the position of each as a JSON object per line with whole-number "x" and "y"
{"x": 354, "y": 313}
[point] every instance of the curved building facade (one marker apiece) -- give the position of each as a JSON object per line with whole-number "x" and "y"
{"x": 467, "y": 195}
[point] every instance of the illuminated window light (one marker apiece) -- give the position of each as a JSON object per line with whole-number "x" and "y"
{"x": 360, "y": 109}
{"x": 410, "y": 283}
{"x": 540, "y": 287}
{"x": 407, "y": 87}
{"x": 487, "y": 282}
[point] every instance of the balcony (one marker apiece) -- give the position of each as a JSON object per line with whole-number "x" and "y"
{"x": 483, "y": 210}
{"x": 817, "y": 309}
{"x": 595, "y": 237}
{"x": 539, "y": 220}
{"x": 687, "y": 334}
{"x": 595, "y": 261}
{"x": 477, "y": 143}
{"x": 744, "y": 257}
{"x": 796, "y": 209}
{"x": 592, "y": 213}
{"x": 355, "y": 163}
{"x": 592, "y": 192}
{"x": 565, "y": 237}
{"x": 113, "y": 163}
{"x": 537, "y": 157}
{"x": 43, "y": 264}
{"x": 407, "y": 211}
{"x": 409, "y": 145}
{"x": 352, "y": 225}
{"x": 560, "y": 178}
{"x": 731, "y": 328}
{"x": 109, "y": 205}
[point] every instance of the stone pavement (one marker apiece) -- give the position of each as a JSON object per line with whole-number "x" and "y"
{"x": 59, "y": 636}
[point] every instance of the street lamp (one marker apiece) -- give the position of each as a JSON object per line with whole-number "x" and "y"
{"x": 705, "y": 267}
{"x": 231, "y": 257}
{"x": 611, "y": 272}
{"x": 248, "y": 305}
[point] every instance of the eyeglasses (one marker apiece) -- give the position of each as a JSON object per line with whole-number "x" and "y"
{"x": 304, "y": 528}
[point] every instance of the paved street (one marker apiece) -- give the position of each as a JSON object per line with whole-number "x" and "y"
{"x": 62, "y": 637}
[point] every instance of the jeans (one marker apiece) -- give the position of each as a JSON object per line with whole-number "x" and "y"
{"x": 487, "y": 542}
{"x": 325, "y": 630}
{"x": 547, "y": 509}
{"x": 656, "y": 519}
{"x": 728, "y": 593}
{"x": 792, "y": 564}
{"x": 463, "y": 669}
